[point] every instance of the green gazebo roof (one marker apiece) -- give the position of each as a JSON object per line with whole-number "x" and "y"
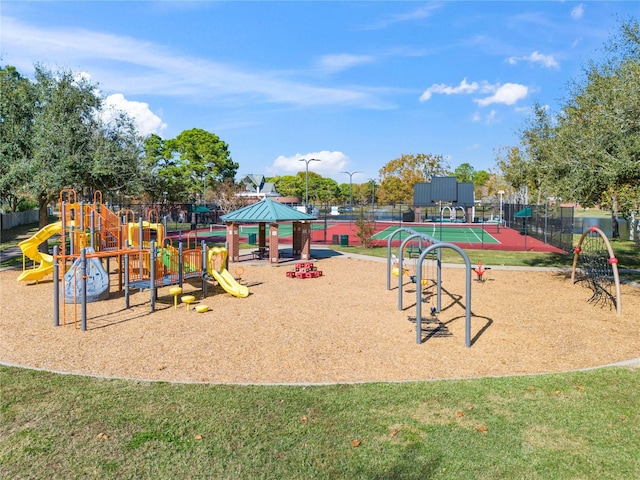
{"x": 268, "y": 211}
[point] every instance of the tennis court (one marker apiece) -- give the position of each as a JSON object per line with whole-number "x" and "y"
{"x": 444, "y": 232}
{"x": 285, "y": 229}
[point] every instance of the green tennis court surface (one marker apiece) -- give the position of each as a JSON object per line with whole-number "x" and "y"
{"x": 443, "y": 233}
{"x": 284, "y": 230}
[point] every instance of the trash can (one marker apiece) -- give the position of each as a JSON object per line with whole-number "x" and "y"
{"x": 252, "y": 239}
{"x": 335, "y": 240}
{"x": 344, "y": 240}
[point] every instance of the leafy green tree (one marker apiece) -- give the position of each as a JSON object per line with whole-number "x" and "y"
{"x": 599, "y": 133}
{"x": 69, "y": 145}
{"x": 398, "y": 176}
{"x": 327, "y": 190}
{"x": 480, "y": 178}
{"x": 187, "y": 166}
{"x": 168, "y": 175}
{"x": 17, "y": 104}
{"x": 200, "y": 157}
{"x": 314, "y": 184}
{"x": 289, "y": 185}
{"x": 464, "y": 172}
{"x": 590, "y": 152}
{"x": 344, "y": 192}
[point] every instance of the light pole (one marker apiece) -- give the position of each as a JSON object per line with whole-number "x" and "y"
{"x": 306, "y": 181}
{"x": 373, "y": 201}
{"x": 351, "y": 174}
{"x": 500, "y": 192}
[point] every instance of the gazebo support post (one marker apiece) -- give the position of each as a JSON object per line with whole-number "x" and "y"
{"x": 262, "y": 237}
{"x": 233, "y": 239}
{"x": 305, "y": 251}
{"x": 296, "y": 239}
{"x": 274, "y": 253}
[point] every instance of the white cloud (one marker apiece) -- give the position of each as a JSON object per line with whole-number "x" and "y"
{"x": 417, "y": 14}
{"x": 488, "y": 119}
{"x": 509, "y": 93}
{"x": 330, "y": 163}
{"x": 463, "y": 88}
{"x": 342, "y": 61}
{"x": 145, "y": 120}
{"x": 577, "y": 12}
{"x": 547, "y": 61}
{"x": 135, "y": 67}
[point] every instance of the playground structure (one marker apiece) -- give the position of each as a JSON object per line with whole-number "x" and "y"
{"x": 598, "y": 267}
{"x": 91, "y": 234}
{"x": 304, "y": 270}
{"x": 426, "y": 245}
{"x": 480, "y": 270}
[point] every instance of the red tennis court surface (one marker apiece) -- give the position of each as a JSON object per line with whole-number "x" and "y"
{"x": 508, "y": 238}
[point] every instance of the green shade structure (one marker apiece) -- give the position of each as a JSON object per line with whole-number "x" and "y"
{"x": 202, "y": 209}
{"x": 524, "y": 213}
{"x": 272, "y": 213}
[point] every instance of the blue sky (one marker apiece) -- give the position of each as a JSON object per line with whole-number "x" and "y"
{"x": 352, "y": 83}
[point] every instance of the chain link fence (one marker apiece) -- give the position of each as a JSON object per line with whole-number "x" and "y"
{"x": 551, "y": 224}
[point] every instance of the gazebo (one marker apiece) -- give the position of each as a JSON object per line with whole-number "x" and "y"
{"x": 269, "y": 212}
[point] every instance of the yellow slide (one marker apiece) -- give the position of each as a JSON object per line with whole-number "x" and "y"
{"x": 223, "y": 277}
{"x": 29, "y": 249}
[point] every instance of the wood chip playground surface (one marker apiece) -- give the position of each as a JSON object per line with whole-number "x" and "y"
{"x": 343, "y": 326}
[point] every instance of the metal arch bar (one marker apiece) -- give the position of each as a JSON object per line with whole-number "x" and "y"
{"x": 400, "y": 260}
{"x": 467, "y": 262}
{"x": 614, "y": 266}
{"x": 399, "y": 230}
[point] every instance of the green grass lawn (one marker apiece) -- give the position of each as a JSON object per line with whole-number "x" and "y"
{"x": 628, "y": 254}
{"x": 560, "y": 426}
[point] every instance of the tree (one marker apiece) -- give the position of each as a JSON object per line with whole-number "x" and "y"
{"x": 17, "y": 103}
{"x": 344, "y": 192}
{"x": 289, "y": 185}
{"x": 590, "y": 152}
{"x": 364, "y": 231}
{"x": 226, "y": 194}
{"x": 398, "y": 176}
{"x": 187, "y": 165}
{"x": 199, "y": 156}
{"x": 168, "y": 175}
{"x": 69, "y": 145}
{"x": 327, "y": 190}
{"x": 464, "y": 172}
{"x": 599, "y": 136}
{"x": 363, "y": 193}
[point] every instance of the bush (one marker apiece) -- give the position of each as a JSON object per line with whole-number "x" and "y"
{"x": 365, "y": 230}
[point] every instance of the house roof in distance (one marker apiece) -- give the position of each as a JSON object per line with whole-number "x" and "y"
{"x": 266, "y": 210}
